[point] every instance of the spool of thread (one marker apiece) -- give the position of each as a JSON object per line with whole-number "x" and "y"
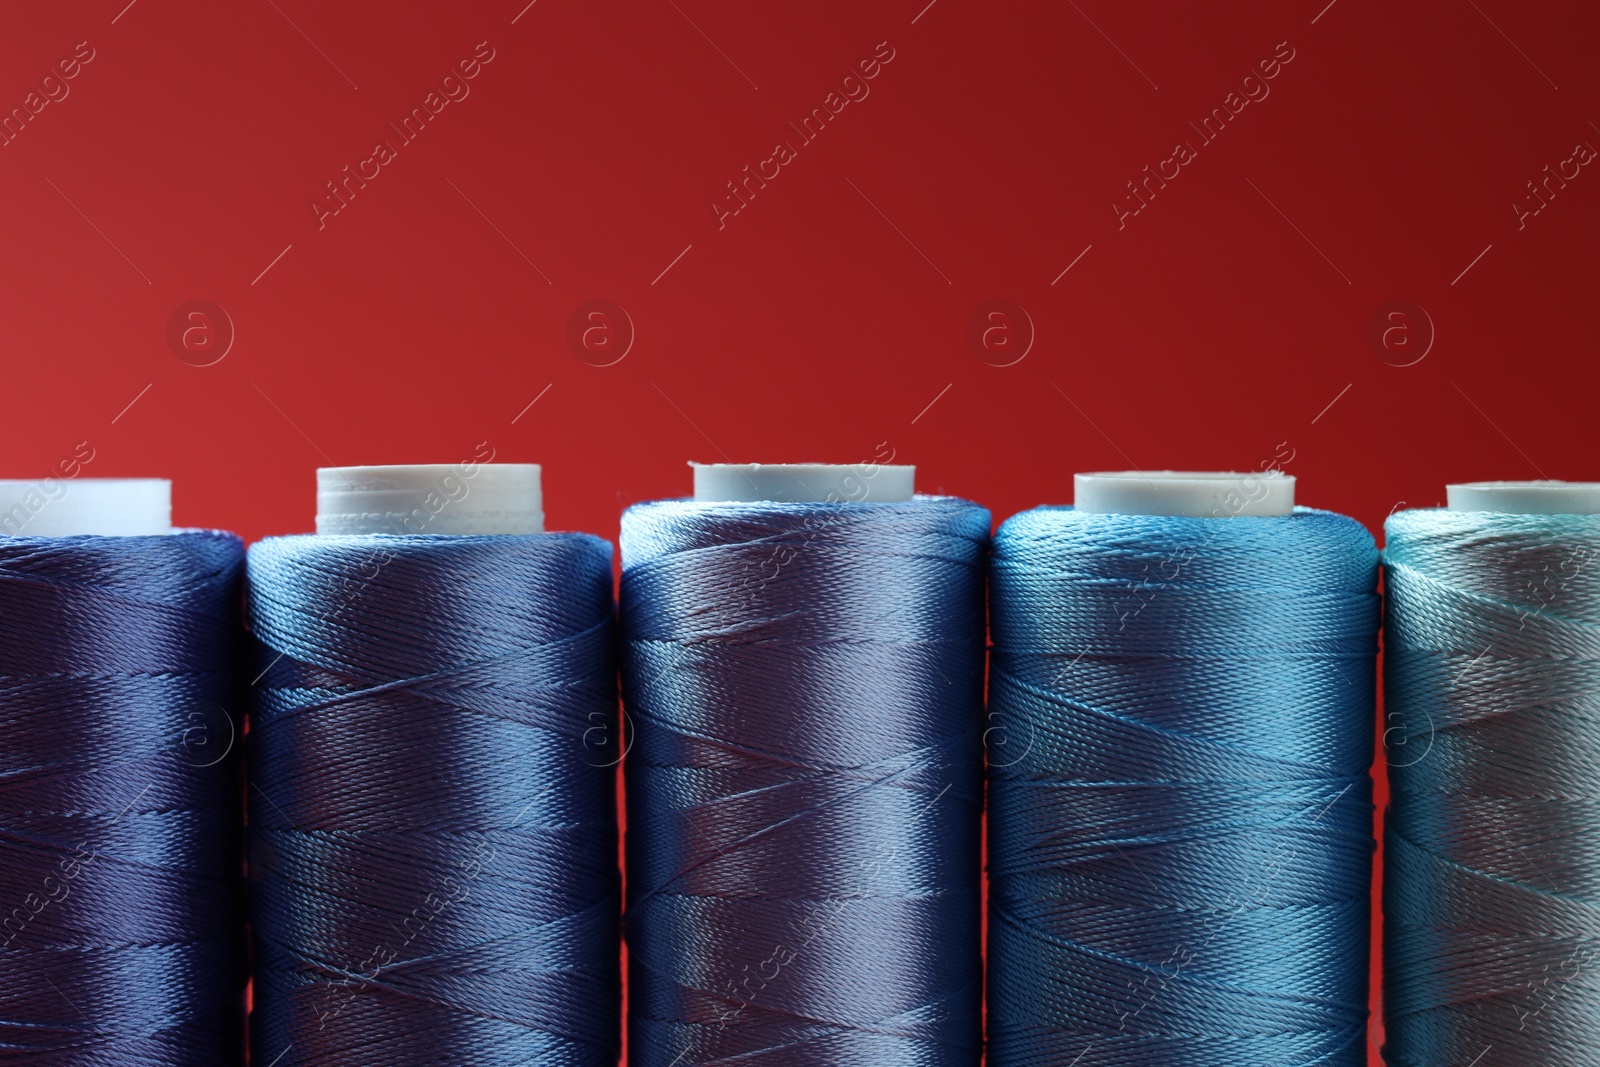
{"x": 1181, "y": 726}
{"x": 803, "y": 667}
{"x": 121, "y": 869}
{"x": 1492, "y": 849}
{"x": 432, "y": 772}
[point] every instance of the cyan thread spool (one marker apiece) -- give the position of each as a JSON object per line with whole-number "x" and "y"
{"x": 1181, "y": 712}
{"x": 432, "y": 770}
{"x": 1492, "y": 848}
{"x": 803, "y": 651}
{"x": 122, "y": 935}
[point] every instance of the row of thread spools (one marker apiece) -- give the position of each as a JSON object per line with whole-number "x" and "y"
{"x": 1179, "y": 726}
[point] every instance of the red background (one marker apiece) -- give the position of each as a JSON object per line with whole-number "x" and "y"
{"x": 1217, "y": 325}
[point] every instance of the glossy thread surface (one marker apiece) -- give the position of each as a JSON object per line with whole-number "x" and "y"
{"x": 1181, "y": 725}
{"x": 805, "y": 682}
{"x": 432, "y": 802}
{"x": 1492, "y": 855}
{"x": 121, "y": 879}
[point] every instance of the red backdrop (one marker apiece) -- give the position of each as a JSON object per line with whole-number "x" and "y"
{"x": 1354, "y": 238}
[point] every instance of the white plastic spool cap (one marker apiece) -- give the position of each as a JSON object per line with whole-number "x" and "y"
{"x": 1195, "y": 494}
{"x": 66, "y": 507}
{"x": 1526, "y": 498}
{"x": 430, "y": 498}
{"x": 803, "y": 483}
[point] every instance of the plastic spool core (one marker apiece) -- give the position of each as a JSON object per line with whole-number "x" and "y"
{"x": 68, "y": 507}
{"x": 1193, "y": 494}
{"x": 430, "y": 498}
{"x": 1526, "y": 498}
{"x": 803, "y": 483}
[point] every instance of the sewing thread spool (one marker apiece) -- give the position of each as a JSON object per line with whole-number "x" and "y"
{"x": 1181, "y": 704}
{"x": 121, "y": 878}
{"x": 1492, "y": 849}
{"x": 433, "y": 751}
{"x": 803, "y": 668}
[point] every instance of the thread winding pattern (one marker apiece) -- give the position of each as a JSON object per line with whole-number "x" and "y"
{"x": 121, "y": 882}
{"x": 432, "y": 803}
{"x": 1492, "y": 869}
{"x": 1180, "y": 809}
{"x": 804, "y": 791}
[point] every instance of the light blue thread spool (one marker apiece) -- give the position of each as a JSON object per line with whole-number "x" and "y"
{"x": 1181, "y": 704}
{"x": 1492, "y": 854}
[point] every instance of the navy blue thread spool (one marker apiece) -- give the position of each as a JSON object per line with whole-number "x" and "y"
{"x": 121, "y": 878}
{"x": 1181, "y": 697}
{"x": 803, "y": 667}
{"x": 433, "y": 825}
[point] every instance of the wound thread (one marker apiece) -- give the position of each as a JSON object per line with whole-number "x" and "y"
{"x": 805, "y": 682}
{"x": 432, "y": 803}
